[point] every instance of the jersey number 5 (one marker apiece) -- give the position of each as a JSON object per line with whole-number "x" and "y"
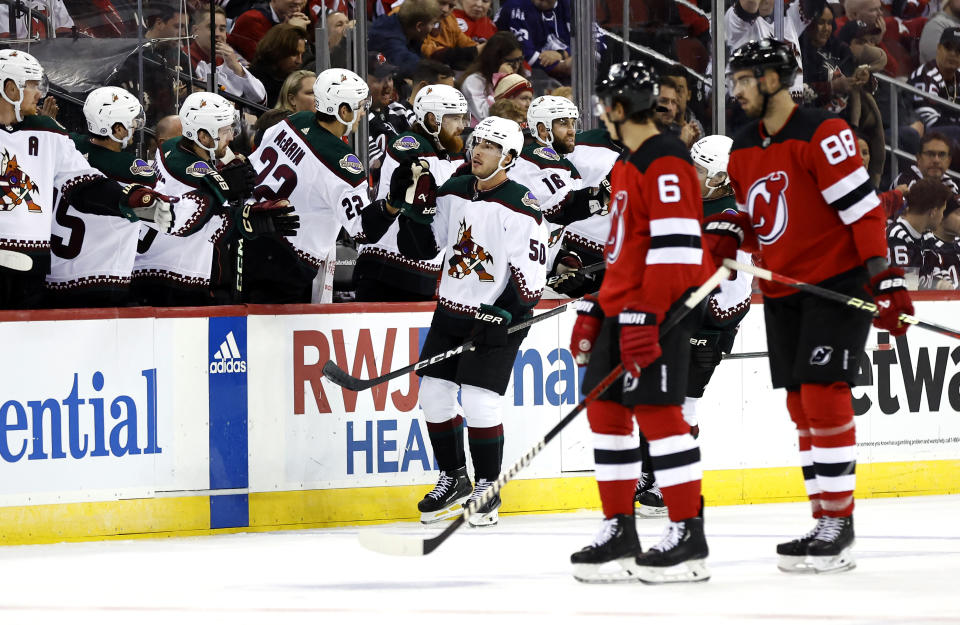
{"x": 282, "y": 174}
{"x": 839, "y": 147}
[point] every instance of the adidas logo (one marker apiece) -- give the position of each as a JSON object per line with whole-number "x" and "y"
{"x": 228, "y": 358}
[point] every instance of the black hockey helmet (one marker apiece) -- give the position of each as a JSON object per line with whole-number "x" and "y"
{"x": 766, "y": 53}
{"x": 633, "y": 83}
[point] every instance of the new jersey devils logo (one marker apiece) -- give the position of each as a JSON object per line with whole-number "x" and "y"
{"x": 615, "y": 238}
{"x": 767, "y": 205}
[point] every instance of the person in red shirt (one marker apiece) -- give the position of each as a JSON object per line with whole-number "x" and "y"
{"x": 474, "y": 19}
{"x": 806, "y": 205}
{"x": 252, "y": 25}
{"x": 654, "y": 257}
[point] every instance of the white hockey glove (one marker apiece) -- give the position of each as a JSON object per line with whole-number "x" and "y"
{"x": 142, "y": 203}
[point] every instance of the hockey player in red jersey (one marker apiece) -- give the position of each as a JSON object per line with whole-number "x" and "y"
{"x": 654, "y": 256}
{"x": 805, "y": 203}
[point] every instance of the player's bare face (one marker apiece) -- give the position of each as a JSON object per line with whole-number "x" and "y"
{"x": 564, "y": 134}
{"x": 450, "y": 130}
{"x": 746, "y": 91}
{"x": 31, "y": 98}
{"x": 486, "y": 158}
{"x": 933, "y": 159}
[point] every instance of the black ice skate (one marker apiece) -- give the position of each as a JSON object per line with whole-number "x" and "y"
{"x": 649, "y": 498}
{"x": 825, "y": 549}
{"x": 489, "y": 513}
{"x": 446, "y": 498}
{"x": 616, "y": 543}
{"x": 679, "y": 557}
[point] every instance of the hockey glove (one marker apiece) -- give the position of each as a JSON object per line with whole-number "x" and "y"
{"x": 725, "y": 233}
{"x": 240, "y": 179}
{"x": 491, "y": 326}
{"x": 268, "y": 217}
{"x": 586, "y": 329}
{"x": 600, "y": 203}
{"x": 705, "y": 350}
{"x": 414, "y": 191}
{"x": 892, "y": 298}
{"x": 639, "y": 339}
{"x": 568, "y": 275}
{"x": 140, "y": 203}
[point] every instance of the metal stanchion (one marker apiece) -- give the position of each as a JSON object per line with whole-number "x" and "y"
{"x": 584, "y": 59}
{"x": 321, "y": 42}
{"x": 363, "y": 129}
{"x": 719, "y": 68}
{"x": 141, "y": 148}
{"x": 626, "y": 30}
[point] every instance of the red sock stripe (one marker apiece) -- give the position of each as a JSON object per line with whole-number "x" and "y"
{"x": 445, "y": 426}
{"x": 682, "y": 500}
{"x": 485, "y": 433}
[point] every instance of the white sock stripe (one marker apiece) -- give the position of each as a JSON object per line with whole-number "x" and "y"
{"x": 615, "y": 442}
{"x": 833, "y": 455}
{"x": 806, "y": 458}
{"x": 803, "y": 433}
{"x": 840, "y": 429}
{"x": 617, "y": 472}
{"x": 841, "y": 484}
{"x": 672, "y": 445}
{"x": 679, "y": 475}
{"x": 812, "y": 487}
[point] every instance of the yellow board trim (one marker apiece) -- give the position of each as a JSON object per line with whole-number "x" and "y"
{"x": 190, "y": 516}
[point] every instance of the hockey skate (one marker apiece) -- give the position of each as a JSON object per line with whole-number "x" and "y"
{"x": 649, "y": 498}
{"x": 489, "y": 513}
{"x": 446, "y": 498}
{"x": 679, "y": 557}
{"x": 616, "y": 544}
{"x": 824, "y": 549}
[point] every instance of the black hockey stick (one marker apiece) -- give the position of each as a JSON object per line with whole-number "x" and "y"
{"x": 341, "y": 378}
{"x": 855, "y": 302}
{"x": 400, "y": 545}
{"x": 589, "y": 269}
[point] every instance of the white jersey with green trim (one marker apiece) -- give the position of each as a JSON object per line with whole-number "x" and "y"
{"x": 594, "y": 161}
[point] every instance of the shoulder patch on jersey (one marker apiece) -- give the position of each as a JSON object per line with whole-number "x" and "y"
{"x": 529, "y": 199}
{"x": 140, "y": 167}
{"x": 406, "y": 142}
{"x": 351, "y": 163}
{"x": 199, "y": 169}
{"x": 547, "y": 153}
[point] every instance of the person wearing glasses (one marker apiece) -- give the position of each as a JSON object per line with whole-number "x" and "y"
{"x": 501, "y": 55}
{"x": 933, "y": 159}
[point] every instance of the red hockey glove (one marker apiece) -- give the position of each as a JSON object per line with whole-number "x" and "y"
{"x": 586, "y": 329}
{"x": 892, "y": 298}
{"x": 725, "y": 233}
{"x": 140, "y": 203}
{"x": 639, "y": 339}
{"x": 268, "y": 217}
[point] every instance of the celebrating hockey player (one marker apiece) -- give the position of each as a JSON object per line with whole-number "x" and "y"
{"x": 494, "y": 246}
{"x": 654, "y": 256}
{"x": 39, "y": 161}
{"x": 808, "y": 207}
{"x": 92, "y": 255}
{"x": 382, "y": 273}
{"x": 940, "y": 268}
{"x": 200, "y": 261}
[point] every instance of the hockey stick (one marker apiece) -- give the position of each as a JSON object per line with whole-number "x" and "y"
{"x": 855, "y": 302}
{"x": 745, "y": 355}
{"x": 589, "y": 269}
{"x": 400, "y": 545}
{"x": 341, "y": 378}
{"x": 17, "y": 261}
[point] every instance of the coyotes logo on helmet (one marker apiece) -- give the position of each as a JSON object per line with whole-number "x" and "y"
{"x": 16, "y": 185}
{"x": 767, "y": 205}
{"x": 468, "y": 257}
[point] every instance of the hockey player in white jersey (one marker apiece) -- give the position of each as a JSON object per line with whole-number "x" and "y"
{"x": 39, "y": 163}
{"x": 493, "y": 239}
{"x": 304, "y": 159}
{"x": 382, "y": 273}
{"x": 200, "y": 261}
{"x": 92, "y": 255}
{"x": 544, "y": 168}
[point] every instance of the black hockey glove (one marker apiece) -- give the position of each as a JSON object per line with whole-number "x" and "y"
{"x": 568, "y": 274}
{"x": 705, "y": 350}
{"x": 600, "y": 202}
{"x": 268, "y": 217}
{"x": 491, "y": 326}
{"x": 140, "y": 203}
{"x": 240, "y": 178}
{"x": 414, "y": 191}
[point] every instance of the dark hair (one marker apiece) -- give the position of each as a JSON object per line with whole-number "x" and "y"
{"x": 668, "y": 81}
{"x": 489, "y": 61}
{"x": 279, "y": 43}
{"x": 936, "y": 136}
{"x": 158, "y": 11}
{"x": 430, "y": 71}
{"x": 925, "y": 195}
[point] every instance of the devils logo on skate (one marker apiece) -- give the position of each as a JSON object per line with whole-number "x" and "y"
{"x": 15, "y": 185}
{"x": 767, "y": 205}
{"x": 468, "y": 256}
{"x": 615, "y": 238}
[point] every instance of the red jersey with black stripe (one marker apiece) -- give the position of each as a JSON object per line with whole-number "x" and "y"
{"x": 654, "y": 251}
{"x": 810, "y": 200}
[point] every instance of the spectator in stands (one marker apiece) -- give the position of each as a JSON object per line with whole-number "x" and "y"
{"x": 266, "y": 120}
{"x": 400, "y": 35}
{"x": 932, "y": 161}
{"x": 681, "y": 80}
{"x": 940, "y": 77}
{"x": 60, "y": 20}
{"x": 565, "y": 91}
{"x": 233, "y": 75}
{"x": 473, "y": 18}
{"x": 447, "y": 43}
{"x": 296, "y": 93}
{"x": 507, "y": 109}
{"x": 949, "y": 15}
{"x": 895, "y": 37}
{"x": 279, "y": 54}
{"x": 543, "y": 29}
{"x": 164, "y": 20}
{"x": 926, "y": 201}
{"x": 892, "y": 200}
{"x": 380, "y": 75}
{"x": 252, "y": 25}
{"x": 167, "y": 128}
{"x": 668, "y": 113}
{"x": 501, "y": 55}
{"x": 337, "y": 27}
{"x": 517, "y": 89}
{"x": 428, "y": 72}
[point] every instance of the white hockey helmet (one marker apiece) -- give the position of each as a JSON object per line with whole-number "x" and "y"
{"x": 712, "y": 153}
{"x": 505, "y": 133}
{"x": 545, "y": 110}
{"x": 210, "y": 112}
{"x": 20, "y": 67}
{"x": 107, "y": 106}
{"x": 440, "y": 100}
{"x": 336, "y": 86}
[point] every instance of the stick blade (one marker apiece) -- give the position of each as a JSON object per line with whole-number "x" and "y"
{"x": 341, "y": 378}
{"x": 391, "y": 544}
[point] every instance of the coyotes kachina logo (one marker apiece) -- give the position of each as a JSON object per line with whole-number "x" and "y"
{"x": 468, "y": 256}
{"x": 16, "y": 185}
